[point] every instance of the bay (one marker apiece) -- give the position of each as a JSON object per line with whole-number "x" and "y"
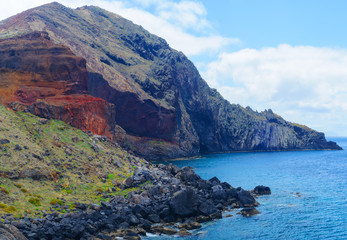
{"x": 308, "y": 201}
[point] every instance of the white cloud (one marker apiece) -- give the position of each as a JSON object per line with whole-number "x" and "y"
{"x": 311, "y": 81}
{"x": 175, "y": 22}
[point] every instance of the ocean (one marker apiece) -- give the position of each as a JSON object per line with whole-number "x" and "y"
{"x": 308, "y": 201}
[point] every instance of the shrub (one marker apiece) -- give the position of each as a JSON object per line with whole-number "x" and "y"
{"x": 35, "y": 201}
{"x": 23, "y": 190}
{"x": 11, "y": 209}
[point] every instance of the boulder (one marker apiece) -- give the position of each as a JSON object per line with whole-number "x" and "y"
{"x": 218, "y": 192}
{"x": 128, "y": 182}
{"x": 207, "y": 208}
{"x": 184, "y": 203}
{"x": 261, "y": 190}
{"x": 246, "y": 199}
{"x": 184, "y": 232}
{"x": 169, "y": 231}
{"x": 188, "y": 175}
{"x": 248, "y": 212}
{"x": 214, "y": 181}
{"x": 154, "y": 218}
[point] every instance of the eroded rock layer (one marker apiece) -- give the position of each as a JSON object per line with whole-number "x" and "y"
{"x": 48, "y": 80}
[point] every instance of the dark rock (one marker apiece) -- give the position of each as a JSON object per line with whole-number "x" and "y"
{"x": 246, "y": 199}
{"x": 37, "y": 156}
{"x": 104, "y": 237}
{"x": 165, "y": 212}
{"x": 231, "y": 193}
{"x": 77, "y": 230}
{"x": 218, "y": 192}
{"x": 186, "y": 174}
{"x": 261, "y": 190}
{"x": 202, "y": 219}
{"x": 124, "y": 225}
{"x": 214, "y": 181}
{"x": 207, "y": 208}
{"x": 18, "y": 147}
{"x": 4, "y": 141}
{"x": 132, "y": 220}
{"x": 154, "y": 218}
{"x": 248, "y": 212}
{"x": 184, "y": 203}
{"x": 217, "y": 215}
{"x": 128, "y": 182}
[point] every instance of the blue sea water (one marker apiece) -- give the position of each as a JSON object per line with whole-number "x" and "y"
{"x": 308, "y": 201}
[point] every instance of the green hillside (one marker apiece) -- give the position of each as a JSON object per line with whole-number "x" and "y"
{"x": 49, "y": 165}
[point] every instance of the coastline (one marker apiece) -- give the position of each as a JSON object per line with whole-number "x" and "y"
{"x": 177, "y": 201}
{"x": 228, "y": 152}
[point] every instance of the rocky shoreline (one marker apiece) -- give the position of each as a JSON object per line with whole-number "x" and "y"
{"x": 170, "y": 200}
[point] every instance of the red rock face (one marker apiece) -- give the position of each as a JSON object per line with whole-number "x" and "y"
{"x": 46, "y": 79}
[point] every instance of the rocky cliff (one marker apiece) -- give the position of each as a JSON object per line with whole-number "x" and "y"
{"x": 50, "y": 81}
{"x": 163, "y": 108}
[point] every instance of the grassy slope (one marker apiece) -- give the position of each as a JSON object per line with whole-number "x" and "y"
{"x": 68, "y": 171}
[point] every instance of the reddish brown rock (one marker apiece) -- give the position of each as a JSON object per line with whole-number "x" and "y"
{"x": 48, "y": 80}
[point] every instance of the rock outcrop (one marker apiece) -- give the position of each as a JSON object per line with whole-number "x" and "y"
{"x": 48, "y": 80}
{"x": 164, "y": 109}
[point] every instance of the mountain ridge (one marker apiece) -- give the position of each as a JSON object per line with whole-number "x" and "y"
{"x": 163, "y": 108}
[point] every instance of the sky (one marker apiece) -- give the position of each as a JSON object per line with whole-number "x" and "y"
{"x": 287, "y": 55}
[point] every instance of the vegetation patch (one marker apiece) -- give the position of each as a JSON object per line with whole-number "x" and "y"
{"x": 47, "y": 178}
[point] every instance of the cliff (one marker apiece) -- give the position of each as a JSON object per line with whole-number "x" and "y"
{"x": 48, "y": 80}
{"x": 156, "y": 103}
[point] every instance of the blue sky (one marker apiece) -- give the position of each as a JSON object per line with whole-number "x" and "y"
{"x": 290, "y": 56}
{"x": 269, "y": 23}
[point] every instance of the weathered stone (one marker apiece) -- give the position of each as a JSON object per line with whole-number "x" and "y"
{"x": 246, "y": 199}
{"x": 218, "y": 192}
{"x": 128, "y": 182}
{"x": 184, "y": 203}
{"x": 184, "y": 232}
{"x": 190, "y": 226}
{"x": 169, "y": 231}
{"x": 207, "y": 208}
{"x": 261, "y": 190}
{"x": 154, "y": 218}
{"x": 248, "y": 212}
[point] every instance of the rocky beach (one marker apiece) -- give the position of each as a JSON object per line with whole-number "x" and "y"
{"x": 176, "y": 200}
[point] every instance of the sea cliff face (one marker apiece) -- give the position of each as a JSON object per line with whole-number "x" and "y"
{"x": 160, "y": 105}
{"x": 48, "y": 80}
